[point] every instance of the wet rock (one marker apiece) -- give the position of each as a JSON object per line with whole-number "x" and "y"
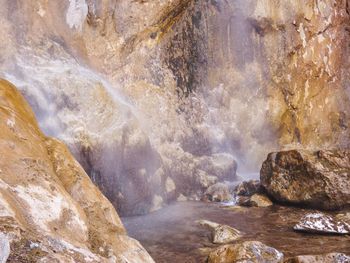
{"x": 345, "y": 217}
{"x": 4, "y": 248}
{"x": 219, "y": 192}
{"x": 318, "y": 179}
{"x": 322, "y": 224}
{"x": 56, "y": 204}
{"x": 327, "y": 258}
{"x": 256, "y": 200}
{"x": 221, "y": 165}
{"x": 248, "y": 188}
{"x": 221, "y": 234}
{"x": 248, "y": 251}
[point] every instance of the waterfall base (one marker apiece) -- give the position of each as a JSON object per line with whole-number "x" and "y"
{"x": 172, "y": 235}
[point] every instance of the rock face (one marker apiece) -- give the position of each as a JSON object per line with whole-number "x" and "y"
{"x": 49, "y": 208}
{"x": 328, "y": 258}
{"x": 147, "y": 93}
{"x": 322, "y": 224}
{"x": 248, "y": 251}
{"x": 318, "y": 179}
{"x": 220, "y": 234}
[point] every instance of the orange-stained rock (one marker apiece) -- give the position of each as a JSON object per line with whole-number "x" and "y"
{"x": 141, "y": 91}
{"x": 49, "y": 208}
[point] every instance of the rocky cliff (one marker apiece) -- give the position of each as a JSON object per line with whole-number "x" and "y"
{"x": 50, "y": 211}
{"x": 156, "y": 99}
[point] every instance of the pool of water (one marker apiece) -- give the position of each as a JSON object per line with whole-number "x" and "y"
{"x": 172, "y": 235}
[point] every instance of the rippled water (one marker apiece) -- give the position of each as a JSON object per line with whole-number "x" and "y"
{"x": 171, "y": 234}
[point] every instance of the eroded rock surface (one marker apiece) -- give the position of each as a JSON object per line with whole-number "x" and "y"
{"x": 248, "y": 251}
{"x": 322, "y": 224}
{"x": 149, "y": 92}
{"x": 49, "y": 208}
{"x": 319, "y": 179}
{"x": 219, "y": 192}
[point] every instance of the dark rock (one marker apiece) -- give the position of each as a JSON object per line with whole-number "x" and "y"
{"x": 318, "y": 179}
{"x": 248, "y": 188}
{"x": 327, "y": 258}
{"x": 323, "y": 224}
{"x": 248, "y": 251}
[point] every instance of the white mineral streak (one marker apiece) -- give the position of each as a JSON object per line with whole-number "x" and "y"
{"x": 4, "y": 248}
{"x": 46, "y": 207}
{"x": 76, "y": 14}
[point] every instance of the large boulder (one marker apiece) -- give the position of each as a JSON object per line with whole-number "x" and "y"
{"x": 246, "y": 252}
{"x": 317, "y": 179}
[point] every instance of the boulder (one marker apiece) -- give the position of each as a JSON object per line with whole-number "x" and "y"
{"x": 221, "y": 234}
{"x": 319, "y": 179}
{"x": 327, "y": 258}
{"x": 322, "y": 224}
{"x": 248, "y": 251}
{"x": 219, "y": 192}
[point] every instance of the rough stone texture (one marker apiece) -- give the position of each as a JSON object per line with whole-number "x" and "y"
{"x": 328, "y": 258}
{"x": 49, "y": 208}
{"x": 220, "y": 234}
{"x": 322, "y": 224}
{"x": 144, "y": 90}
{"x": 248, "y": 251}
{"x": 256, "y": 200}
{"x": 318, "y": 179}
{"x": 219, "y": 192}
{"x": 248, "y": 188}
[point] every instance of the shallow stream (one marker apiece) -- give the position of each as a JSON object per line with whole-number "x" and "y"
{"x": 172, "y": 235}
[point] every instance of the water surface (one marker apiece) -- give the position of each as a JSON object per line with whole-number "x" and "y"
{"x": 171, "y": 234}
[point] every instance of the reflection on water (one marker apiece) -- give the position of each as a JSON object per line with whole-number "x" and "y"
{"x": 171, "y": 234}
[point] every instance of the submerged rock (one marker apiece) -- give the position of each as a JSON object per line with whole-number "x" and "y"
{"x": 248, "y": 251}
{"x": 221, "y": 234}
{"x": 322, "y": 224}
{"x": 327, "y": 258}
{"x": 318, "y": 179}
